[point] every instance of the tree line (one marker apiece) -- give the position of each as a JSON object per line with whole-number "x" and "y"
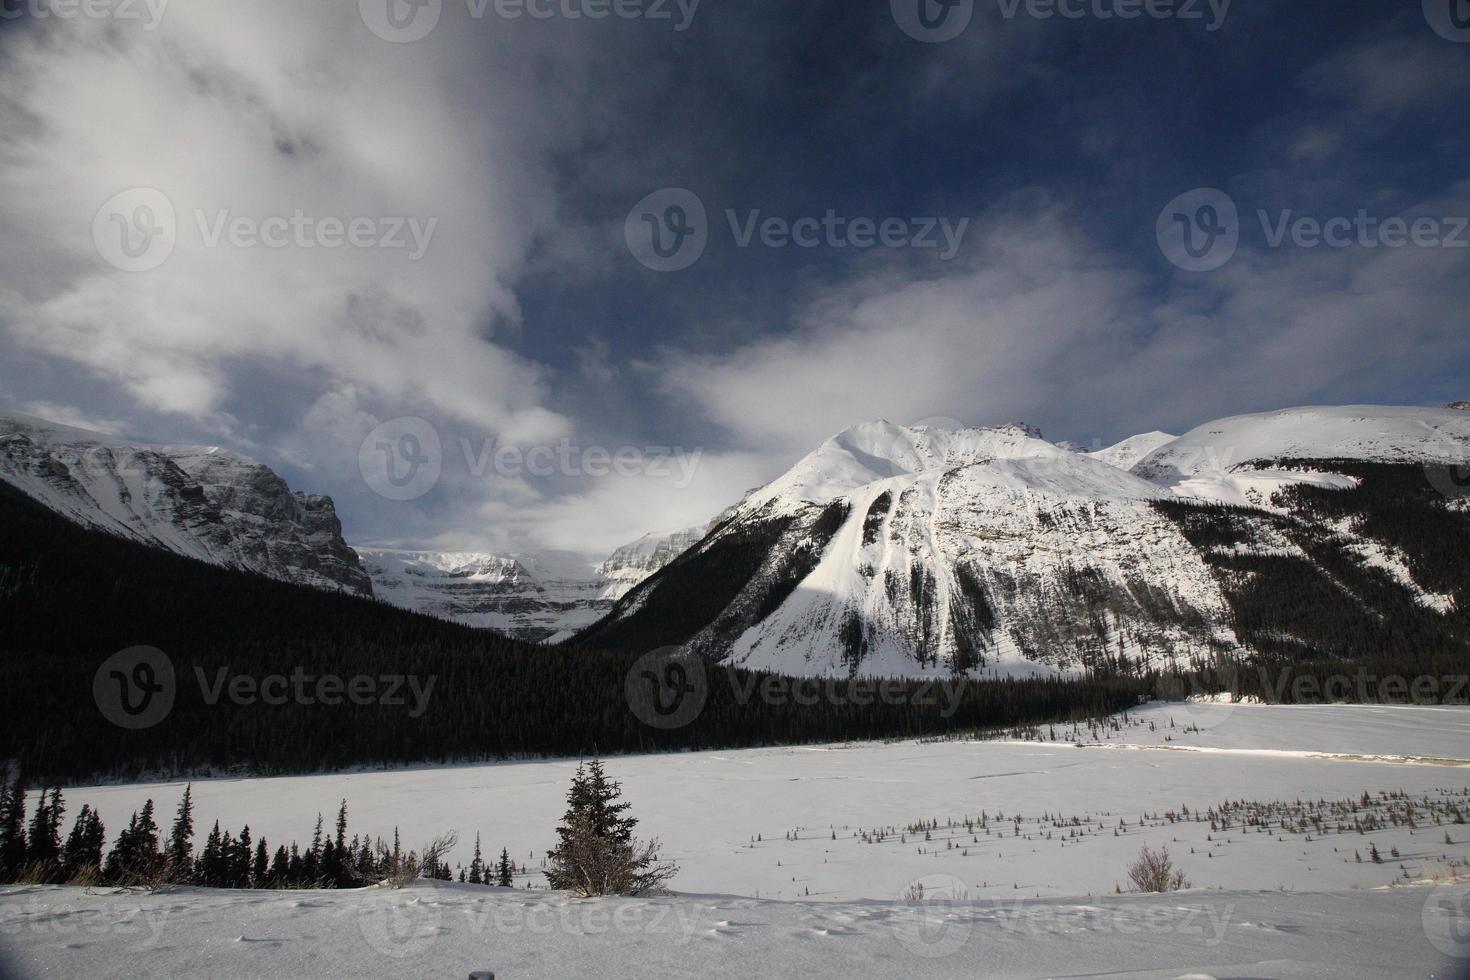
{"x": 33, "y": 851}
{"x": 70, "y": 597}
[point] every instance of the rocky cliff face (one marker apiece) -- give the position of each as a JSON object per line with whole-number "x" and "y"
{"x": 204, "y": 502}
{"x": 893, "y": 550}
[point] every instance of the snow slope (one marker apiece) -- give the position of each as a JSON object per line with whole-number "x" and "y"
{"x": 203, "y": 502}
{"x": 1227, "y": 460}
{"x": 436, "y": 930}
{"x": 991, "y": 551}
{"x": 1128, "y": 452}
{"x": 798, "y": 861}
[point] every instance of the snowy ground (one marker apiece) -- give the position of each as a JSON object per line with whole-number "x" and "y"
{"x": 803, "y": 860}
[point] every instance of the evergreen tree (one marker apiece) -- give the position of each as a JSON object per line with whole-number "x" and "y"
{"x": 311, "y": 861}
{"x": 209, "y": 871}
{"x": 596, "y": 853}
{"x": 43, "y": 844}
{"x": 135, "y": 857}
{"x": 83, "y": 851}
{"x": 181, "y": 839}
{"x": 505, "y": 871}
{"x": 280, "y": 871}
{"x": 240, "y": 858}
{"x": 146, "y": 841}
{"x": 260, "y": 867}
{"x": 477, "y": 866}
{"x": 12, "y": 829}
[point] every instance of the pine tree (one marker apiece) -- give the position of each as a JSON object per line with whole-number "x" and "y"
{"x": 240, "y": 858}
{"x": 12, "y": 829}
{"x": 43, "y": 843}
{"x": 311, "y": 861}
{"x": 336, "y": 858}
{"x": 477, "y": 866}
{"x": 135, "y": 857}
{"x": 295, "y": 867}
{"x": 181, "y": 839}
{"x": 280, "y": 868}
{"x": 505, "y": 871}
{"x": 260, "y": 869}
{"x": 596, "y": 853}
{"x": 83, "y": 850}
{"x": 209, "y": 871}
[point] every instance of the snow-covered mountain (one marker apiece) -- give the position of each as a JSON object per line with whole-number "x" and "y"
{"x": 894, "y": 550}
{"x": 543, "y": 596}
{"x": 203, "y": 502}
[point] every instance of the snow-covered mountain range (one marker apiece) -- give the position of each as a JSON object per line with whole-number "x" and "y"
{"x": 544, "y": 596}
{"x": 902, "y": 550}
{"x": 204, "y": 502}
{"x": 895, "y": 550}
{"x": 226, "y": 508}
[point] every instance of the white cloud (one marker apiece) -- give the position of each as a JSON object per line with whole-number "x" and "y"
{"x": 1039, "y": 324}
{"x": 260, "y": 110}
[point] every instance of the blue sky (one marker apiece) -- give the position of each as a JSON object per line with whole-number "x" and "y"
{"x": 1058, "y": 142}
